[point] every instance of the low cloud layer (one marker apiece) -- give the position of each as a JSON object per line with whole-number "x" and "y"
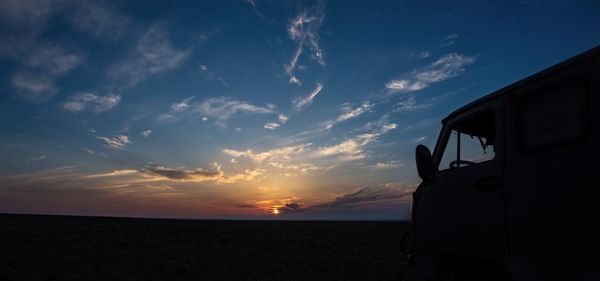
{"x": 180, "y": 174}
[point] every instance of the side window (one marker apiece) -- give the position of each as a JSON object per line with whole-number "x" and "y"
{"x": 554, "y": 115}
{"x": 471, "y": 141}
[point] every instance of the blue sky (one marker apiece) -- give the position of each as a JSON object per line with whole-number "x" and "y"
{"x": 251, "y": 109}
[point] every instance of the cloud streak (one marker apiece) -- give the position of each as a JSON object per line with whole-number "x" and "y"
{"x": 153, "y": 54}
{"x": 223, "y": 108}
{"x": 276, "y": 154}
{"x": 304, "y": 31}
{"x": 447, "y": 66}
{"x": 271, "y": 126}
{"x": 81, "y": 101}
{"x": 302, "y": 102}
{"x": 40, "y": 68}
{"x": 118, "y": 142}
{"x": 198, "y": 174}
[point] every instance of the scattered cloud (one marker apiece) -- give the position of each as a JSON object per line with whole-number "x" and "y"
{"x": 387, "y": 165}
{"x": 271, "y": 126}
{"x": 376, "y": 196}
{"x": 223, "y": 108}
{"x": 115, "y": 173}
{"x": 118, "y": 142}
{"x": 420, "y": 139}
{"x": 282, "y": 118}
{"x": 40, "y": 68}
{"x": 182, "y": 105}
{"x": 303, "y": 168}
{"x": 281, "y": 154}
{"x": 304, "y": 31}
{"x": 299, "y": 103}
{"x": 403, "y": 85}
{"x": 295, "y": 81}
{"x": 258, "y": 14}
{"x": 198, "y": 174}
{"x": 349, "y": 112}
{"x": 153, "y": 54}
{"x": 146, "y": 133}
{"x": 80, "y": 101}
{"x": 99, "y": 20}
{"x": 449, "y": 40}
{"x": 246, "y": 175}
{"x": 423, "y": 54}
{"x": 37, "y": 158}
{"x": 34, "y": 87}
{"x": 447, "y": 66}
{"x": 350, "y": 149}
{"x": 383, "y": 196}
{"x": 410, "y": 104}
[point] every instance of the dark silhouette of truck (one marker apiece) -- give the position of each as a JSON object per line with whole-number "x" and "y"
{"x": 511, "y": 189}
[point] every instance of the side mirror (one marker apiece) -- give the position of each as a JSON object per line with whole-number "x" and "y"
{"x": 424, "y": 162}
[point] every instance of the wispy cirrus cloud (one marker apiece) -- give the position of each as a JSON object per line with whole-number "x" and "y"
{"x": 223, "y": 108}
{"x": 410, "y": 104}
{"x": 304, "y": 31}
{"x": 353, "y": 148}
{"x": 118, "y": 142}
{"x": 370, "y": 197}
{"x": 258, "y": 14}
{"x": 303, "y": 168}
{"x": 420, "y": 139}
{"x": 97, "y": 18}
{"x": 219, "y": 109}
{"x": 447, "y": 66}
{"x": 301, "y": 102}
{"x": 22, "y": 24}
{"x": 198, "y": 174}
{"x": 35, "y": 81}
{"x": 153, "y": 54}
{"x": 282, "y": 118}
{"x": 349, "y": 112}
{"x": 182, "y": 105}
{"x": 350, "y": 149}
{"x": 271, "y": 126}
{"x": 280, "y": 154}
{"x": 387, "y": 165}
{"x": 81, "y": 101}
{"x": 386, "y": 197}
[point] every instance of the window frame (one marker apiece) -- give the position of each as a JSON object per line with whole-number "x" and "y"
{"x": 447, "y": 133}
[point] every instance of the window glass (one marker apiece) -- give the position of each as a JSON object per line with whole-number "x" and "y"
{"x": 471, "y": 141}
{"x": 554, "y": 115}
{"x": 450, "y": 152}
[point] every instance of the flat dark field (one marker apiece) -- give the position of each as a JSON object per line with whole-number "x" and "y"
{"x": 36, "y": 247}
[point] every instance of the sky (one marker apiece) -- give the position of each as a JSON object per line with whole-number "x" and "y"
{"x": 251, "y": 109}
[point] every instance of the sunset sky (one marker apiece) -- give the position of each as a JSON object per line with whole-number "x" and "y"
{"x": 251, "y": 109}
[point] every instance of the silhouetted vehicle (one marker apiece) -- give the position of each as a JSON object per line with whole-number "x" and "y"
{"x": 510, "y": 191}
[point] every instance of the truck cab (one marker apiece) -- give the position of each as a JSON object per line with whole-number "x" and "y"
{"x": 509, "y": 192}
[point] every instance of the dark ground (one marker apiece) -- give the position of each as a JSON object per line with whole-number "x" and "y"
{"x": 84, "y": 248}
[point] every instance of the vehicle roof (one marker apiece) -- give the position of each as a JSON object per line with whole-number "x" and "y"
{"x": 503, "y": 91}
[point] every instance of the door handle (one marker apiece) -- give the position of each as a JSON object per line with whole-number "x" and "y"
{"x": 488, "y": 184}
